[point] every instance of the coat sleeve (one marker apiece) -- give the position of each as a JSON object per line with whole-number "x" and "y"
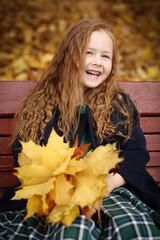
{"x": 16, "y": 149}
{"x": 135, "y": 155}
{"x": 6, "y": 204}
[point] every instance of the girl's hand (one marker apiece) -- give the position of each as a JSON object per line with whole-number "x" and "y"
{"x": 114, "y": 181}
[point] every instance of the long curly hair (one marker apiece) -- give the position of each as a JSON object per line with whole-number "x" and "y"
{"x": 61, "y": 86}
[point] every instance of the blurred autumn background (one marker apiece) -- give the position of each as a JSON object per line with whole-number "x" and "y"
{"x": 30, "y": 31}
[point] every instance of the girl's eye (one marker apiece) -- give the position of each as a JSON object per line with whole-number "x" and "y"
{"x": 105, "y": 56}
{"x": 89, "y": 53}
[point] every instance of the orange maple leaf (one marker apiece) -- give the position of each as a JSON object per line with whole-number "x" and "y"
{"x": 79, "y": 151}
{"x": 116, "y": 169}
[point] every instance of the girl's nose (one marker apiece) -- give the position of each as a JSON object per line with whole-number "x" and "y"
{"x": 97, "y": 60}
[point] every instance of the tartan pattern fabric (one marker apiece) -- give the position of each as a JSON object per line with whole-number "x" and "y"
{"x": 124, "y": 217}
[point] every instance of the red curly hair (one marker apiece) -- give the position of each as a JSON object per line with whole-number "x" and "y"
{"x": 61, "y": 85}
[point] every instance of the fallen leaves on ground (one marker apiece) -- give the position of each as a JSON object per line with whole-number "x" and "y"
{"x": 31, "y": 32}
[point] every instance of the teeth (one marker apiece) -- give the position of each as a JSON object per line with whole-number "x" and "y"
{"x": 94, "y": 73}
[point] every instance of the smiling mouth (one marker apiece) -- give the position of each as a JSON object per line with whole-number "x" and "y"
{"x": 93, "y": 73}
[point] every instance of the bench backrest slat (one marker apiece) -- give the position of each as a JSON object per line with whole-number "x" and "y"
{"x": 145, "y": 94}
{"x": 12, "y": 94}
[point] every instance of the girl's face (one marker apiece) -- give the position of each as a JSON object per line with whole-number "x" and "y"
{"x": 98, "y": 62}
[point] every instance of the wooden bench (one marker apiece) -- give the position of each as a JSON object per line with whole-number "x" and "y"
{"x": 145, "y": 94}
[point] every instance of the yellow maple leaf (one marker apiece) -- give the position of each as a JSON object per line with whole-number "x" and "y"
{"x": 28, "y": 191}
{"x": 62, "y": 188}
{"x": 70, "y": 217}
{"x": 75, "y": 166}
{"x": 147, "y": 53}
{"x": 31, "y": 151}
{"x": 97, "y": 206}
{"x": 58, "y": 142}
{"x": 63, "y": 213}
{"x": 24, "y": 159}
{"x": 32, "y": 174}
{"x": 88, "y": 189}
{"x": 47, "y": 57}
{"x": 153, "y": 71}
{"x": 45, "y": 204}
{"x": 34, "y": 205}
{"x": 102, "y": 159}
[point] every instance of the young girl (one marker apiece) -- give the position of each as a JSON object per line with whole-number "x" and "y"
{"x": 78, "y": 94}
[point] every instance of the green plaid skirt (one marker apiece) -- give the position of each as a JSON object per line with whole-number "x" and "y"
{"x": 123, "y": 217}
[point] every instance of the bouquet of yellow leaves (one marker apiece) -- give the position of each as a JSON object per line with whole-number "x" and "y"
{"x": 59, "y": 185}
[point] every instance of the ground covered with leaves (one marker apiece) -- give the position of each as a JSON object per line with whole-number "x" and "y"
{"x": 31, "y": 31}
